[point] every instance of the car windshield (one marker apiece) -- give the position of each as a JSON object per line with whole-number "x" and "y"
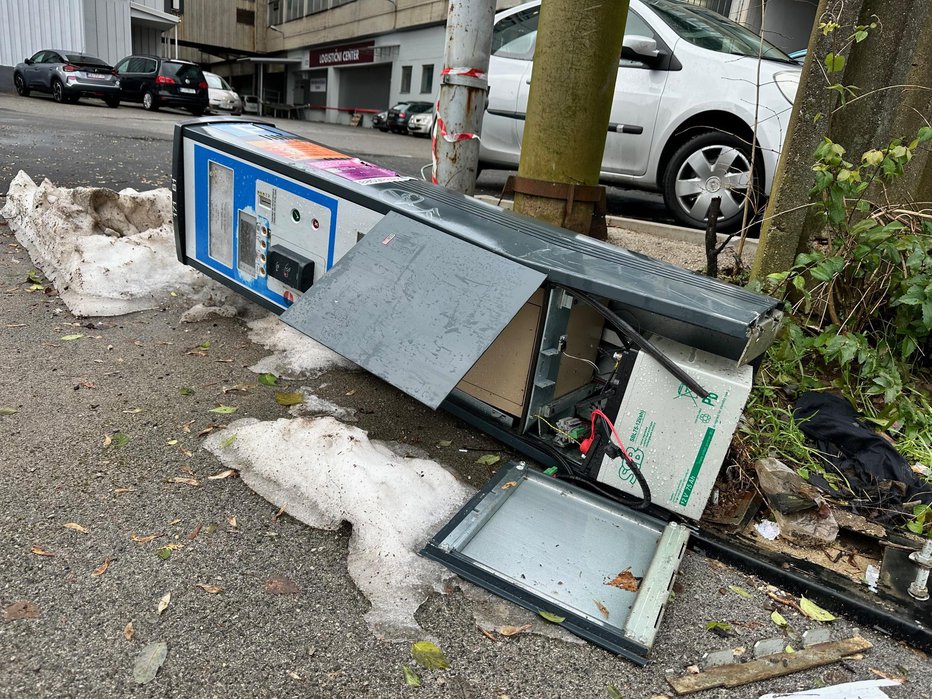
{"x": 419, "y": 107}
{"x": 84, "y": 59}
{"x": 710, "y": 30}
{"x": 400, "y": 107}
{"x": 183, "y": 71}
{"x": 215, "y": 81}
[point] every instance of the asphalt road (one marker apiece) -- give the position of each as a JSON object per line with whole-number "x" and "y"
{"x": 125, "y": 375}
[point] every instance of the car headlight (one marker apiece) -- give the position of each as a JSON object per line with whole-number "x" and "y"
{"x": 788, "y": 83}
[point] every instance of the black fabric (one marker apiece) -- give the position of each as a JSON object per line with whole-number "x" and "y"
{"x": 877, "y": 473}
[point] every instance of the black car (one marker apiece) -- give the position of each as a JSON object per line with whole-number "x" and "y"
{"x": 68, "y": 76}
{"x": 162, "y": 82}
{"x": 399, "y": 114}
{"x": 380, "y": 121}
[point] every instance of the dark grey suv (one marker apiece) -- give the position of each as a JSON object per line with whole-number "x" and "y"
{"x": 162, "y": 82}
{"x": 68, "y": 76}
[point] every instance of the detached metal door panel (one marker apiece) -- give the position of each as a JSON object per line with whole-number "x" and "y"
{"x": 414, "y": 306}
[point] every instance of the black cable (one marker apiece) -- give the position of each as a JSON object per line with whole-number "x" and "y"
{"x": 641, "y": 503}
{"x": 626, "y": 329}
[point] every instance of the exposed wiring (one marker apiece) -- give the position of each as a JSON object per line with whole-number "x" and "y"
{"x": 639, "y": 340}
{"x": 580, "y": 359}
{"x": 557, "y": 429}
{"x": 586, "y": 445}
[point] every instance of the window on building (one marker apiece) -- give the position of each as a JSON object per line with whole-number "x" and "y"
{"x": 275, "y": 12}
{"x": 405, "y": 79}
{"x": 427, "y": 79}
{"x": 245, "y": 17}
{"x": 294, "y": 9}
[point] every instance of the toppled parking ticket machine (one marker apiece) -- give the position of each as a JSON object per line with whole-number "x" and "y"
{"x": 625, "y": 374}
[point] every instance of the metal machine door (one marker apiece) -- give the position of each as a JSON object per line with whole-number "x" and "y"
{"x": 414, "y": 306}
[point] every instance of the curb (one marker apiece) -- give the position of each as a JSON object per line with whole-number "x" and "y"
{"x": 664, "y": 231}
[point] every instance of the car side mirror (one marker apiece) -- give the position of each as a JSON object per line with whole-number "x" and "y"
{"x": 28, "y": 61}
{"x": 640, "y": 48}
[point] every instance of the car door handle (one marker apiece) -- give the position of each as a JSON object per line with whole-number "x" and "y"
{"x": 527, "y": 82}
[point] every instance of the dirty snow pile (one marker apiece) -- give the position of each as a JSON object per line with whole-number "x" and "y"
{"x": 336, "y": 474}
{"x": 107, "y": 253}
{"x": 294, "y": 353}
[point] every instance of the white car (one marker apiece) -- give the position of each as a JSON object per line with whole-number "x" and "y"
{"x": 223, "y": 98}
{"x": 682, "y": 120}
{"x": 421, "y": 124}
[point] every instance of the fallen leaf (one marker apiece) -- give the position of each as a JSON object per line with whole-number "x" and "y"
{"x": 224, "y": 409}
{"x": 223, "y": 474}
{"x": 145, "y": 539}
{"x": 69, "y": 338}
{"x": 281, "y": 586}
{"x": 165, "y": 552}
{"x": 164, "y": 602}
{"x": 488, "y": 634}
{"x": 509, "y": 631}
{"x": 74, "y": 526}
{"x": 509, "y": 484}
{"x": 134, "y": 411}
{"x": 603, "y": 610}
{"x": 117, "y": 440}
{"x": 778, "y": 619}
{"x": 129, "y": 631}
{"x": 887, "y": 676}
{"x": 428, "y": 655}
{"x": 692, "y": 670}
{"x": 207, "y": 430}
{"x": 186, "y": 426}
{"x": 740, "y": 591}
{"x": 268, "y": 379}
{"x": 228, "y": 441}
{"x": 553, "y": 618}
{"x": 232, "y": 521}
{"x": 39, "y": 551}
{"x": 720, "y": 628}
{"x": 488, "y": 459}
{"x": 789, "y": 649}
{"x": 281, "y": 511}
{"x": 185, "y": 391}
{"x": 172, "y": 442}
{"x": 149, "y": 661}
{"x": 295, "y": 676}
{"x": 194, "y": 482}
{"x": 23, "y": 609}
{"x": 238, "y": 388}
{"x": 286, "y": 399}
{"x": 351, "y": 392}
{"x": 444, "y": 443}
{"x": 102, "y": 568}
{"x": 411, "y": 679}
{"x": 194, "y": 532}
{"x": 209, "y": 589}
{"x": 814, "y": 611}
{"x": 8, "y": 411}
{"x": 625, "y": 580}
{"x": 613, "y": 692}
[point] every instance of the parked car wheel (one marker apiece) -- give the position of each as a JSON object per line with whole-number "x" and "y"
{"x": 58, "y": 91}
{"x": 149, "y": 103}
{"x": 20, "y": 86}
{"x": 197, "y": 112}
{"x": 712, "y": 164}
{"x": 113, "y": 102}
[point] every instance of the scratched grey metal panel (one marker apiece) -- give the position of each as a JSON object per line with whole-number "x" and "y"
{"x": 414, "y": 306}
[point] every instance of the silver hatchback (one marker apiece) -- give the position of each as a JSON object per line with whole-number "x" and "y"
{"x": 68, "y": 77}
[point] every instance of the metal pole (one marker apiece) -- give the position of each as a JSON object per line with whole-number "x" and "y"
{"x": 462, "y": 97}
{"x": 259, "y": 106}
{"x": 176, "y": 41}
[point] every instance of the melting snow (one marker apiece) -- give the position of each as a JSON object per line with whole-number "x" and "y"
{"x": 316, "y": 406}
{"x": 336, "y": 474}
{"x": 107, "y": 253}
{"x": 294, "y": 353}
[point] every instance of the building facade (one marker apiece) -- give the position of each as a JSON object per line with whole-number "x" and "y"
{"x": 324, "y": 60}
{"x": 109, "y": 29}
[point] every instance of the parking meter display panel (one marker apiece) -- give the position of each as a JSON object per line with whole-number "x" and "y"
{"x": 250, "y": 211}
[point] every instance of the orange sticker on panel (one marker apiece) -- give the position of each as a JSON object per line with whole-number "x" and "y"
{"x": 296, "y": 149}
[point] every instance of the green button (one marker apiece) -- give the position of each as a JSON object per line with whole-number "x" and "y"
{"x": 296, "y": 215}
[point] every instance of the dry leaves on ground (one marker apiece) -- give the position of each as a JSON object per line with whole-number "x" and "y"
{"x": 625, "y": 580}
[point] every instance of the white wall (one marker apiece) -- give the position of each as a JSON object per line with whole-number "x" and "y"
{"x": 416, "y": 48}
{"x": 27, "y": 26}
{"x": 107, "y": 30}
